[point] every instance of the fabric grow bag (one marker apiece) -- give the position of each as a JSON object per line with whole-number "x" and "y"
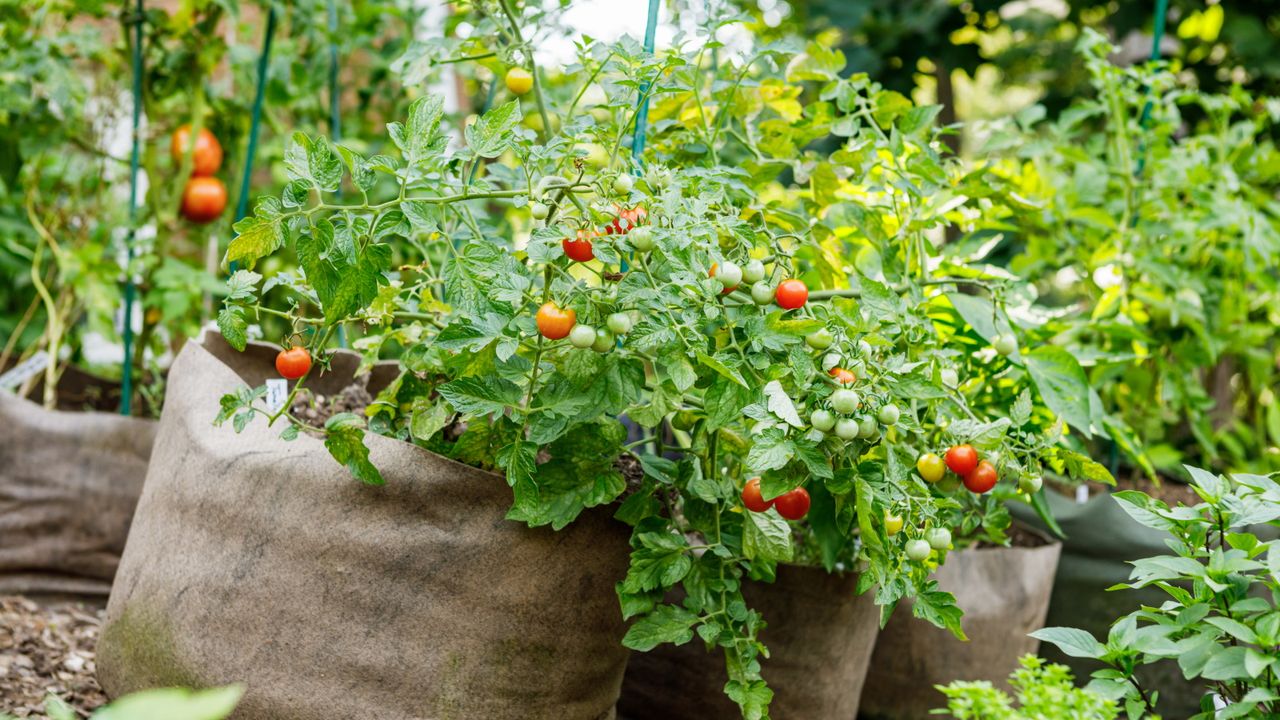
{"x": 257, "y": 560}
{"x": 820, "y": 635}
{"x": 69, "y": 482}
{"x": 1101, "y": 540}
{"x": 1004, "y": 593}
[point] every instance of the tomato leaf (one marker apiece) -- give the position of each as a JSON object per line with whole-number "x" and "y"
{"x": 1062, "y": 384}
{"x": 766, "y": 536}
{"x": 666, "y": 624}
{"x": 344, "y": 438}
{"x": 490, "y": 134}
{"x": 481, "y": 395}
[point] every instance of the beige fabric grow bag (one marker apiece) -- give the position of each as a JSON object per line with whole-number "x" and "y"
{"x": 69, "y": 482}
{"x": 820, "y": 636}
{"x": 256, "y": 560}
{"x": 1004, "y": 593}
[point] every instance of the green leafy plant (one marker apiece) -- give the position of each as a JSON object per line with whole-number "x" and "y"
{"x": 1220, "y": 622}
{"x": 1042, "y": 690}
{"x": 1158, "y": 239}
{"x": 536, "y": 293}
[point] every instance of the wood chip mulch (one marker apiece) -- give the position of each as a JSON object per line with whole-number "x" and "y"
{"x": 48, "y": 648}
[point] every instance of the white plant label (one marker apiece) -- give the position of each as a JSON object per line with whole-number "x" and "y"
{"x": 25, "y": 370}
{"x": 1082, "y": 494}
{"x": 277, "y": 393}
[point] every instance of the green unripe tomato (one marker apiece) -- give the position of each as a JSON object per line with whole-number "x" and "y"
{"x": 683, "y": 420}
{"x": 729, "y": 275}
{"x": 845, "y": 401}
{"x": 822, "y": 420}
{"x": 866, "y": 426}
{"x": 889, "y": 414}
{"x": 753, "y": 272}
{"x": 948, "y": 484}
{"x": 582, "y": 336}
{"x": 846, "y": 428}
{"x": 917, "y": 550}
{"x": 539, "y": 211}
{"x": 950, "y": 377}
{"x": 641, "y": 239}
{"x": 658, "y": 178}
{"x": 1005, "y": 344}
{"x": 1030, "y": 484}
{"x": 623, "y": 184}
{"x": 938, "y": 538}
{"x": 820, "y": 339}
{"x": 864, "y": 348}
{"x": 762, "y": 293}
{"x": 619, "y": 323}
{"x": 831, "y": 360}
{"x": 603, "y": 342}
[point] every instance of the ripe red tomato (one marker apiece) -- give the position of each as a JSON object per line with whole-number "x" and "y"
{"x": 207, "y": 157}
{"x": 579, "y": 249}
{"x": 982, "y": 478}
{"x": 842, "y": 376}
{"x": 752, "y": 499}
{"x": 204, "y": 199}
{"x": 962, "y": 459}
{"x": 793, "y": 505}
{"x": 293, "y": 363}
{"x": 555, "y": 322}
{"x": 791, "y": 294}
{"x": 626, "y": 220}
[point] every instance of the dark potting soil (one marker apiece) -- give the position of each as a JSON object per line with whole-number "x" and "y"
{"x": 1171, "y": 492}
{"x": 315, "y": 410}
{"x": 1020, "y": 537}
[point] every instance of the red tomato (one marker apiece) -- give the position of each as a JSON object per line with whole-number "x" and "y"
{"x": 626, "y": 220}
{"x": 207, "y": 156}
{"x": 752, "y": 499}
{"x": 791, "y": 294}
{"x": 982, "y": 478}
{"x": 962, "y": 459}
{"x": 793, "y": 505}
{"x": 554, "y": 322}
{"x": 204, "y": 199}
{"x": 842, "y": 376}
{"x": 293, "y": 363}
{"x": 580, "y": 248}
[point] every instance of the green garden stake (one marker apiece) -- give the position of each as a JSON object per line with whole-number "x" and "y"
{"x": 126, "y": 381}
{"x": 642, "y": 114}
{"x": 242, "y": 202}
{"x": 335, "y": 111}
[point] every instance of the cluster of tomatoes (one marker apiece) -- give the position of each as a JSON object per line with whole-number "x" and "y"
{"x": 792, "y": 505}
{"x": 205, "y": 197}
{"x": 789, "y": 294}
{"x": 979, "y": 476}
{"x": 843, "y": 417}
{"x": 293, "y": 363}
{"x": 555, "y": 323}
{"x": 917, "y": 549}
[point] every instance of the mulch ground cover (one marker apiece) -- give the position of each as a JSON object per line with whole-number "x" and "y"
{"x": 48, "y": 647}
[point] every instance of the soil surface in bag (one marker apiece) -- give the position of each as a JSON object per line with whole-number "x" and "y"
{"x": 820, "y": 635}
{"x": 258, "y": 560}
{"x": 69, "y": 482}
{"x": 1004, "y": 593}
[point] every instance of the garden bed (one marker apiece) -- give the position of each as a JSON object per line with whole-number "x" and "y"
{"x": 48, "y": 647}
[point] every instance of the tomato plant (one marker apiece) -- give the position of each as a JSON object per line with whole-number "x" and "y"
{"x": 455, "y": 261}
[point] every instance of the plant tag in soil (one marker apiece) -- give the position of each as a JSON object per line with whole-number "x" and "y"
{"x": 277, "y": 393}
{"x": 24, "y": 370}
{"x": 1082, "y": 494}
